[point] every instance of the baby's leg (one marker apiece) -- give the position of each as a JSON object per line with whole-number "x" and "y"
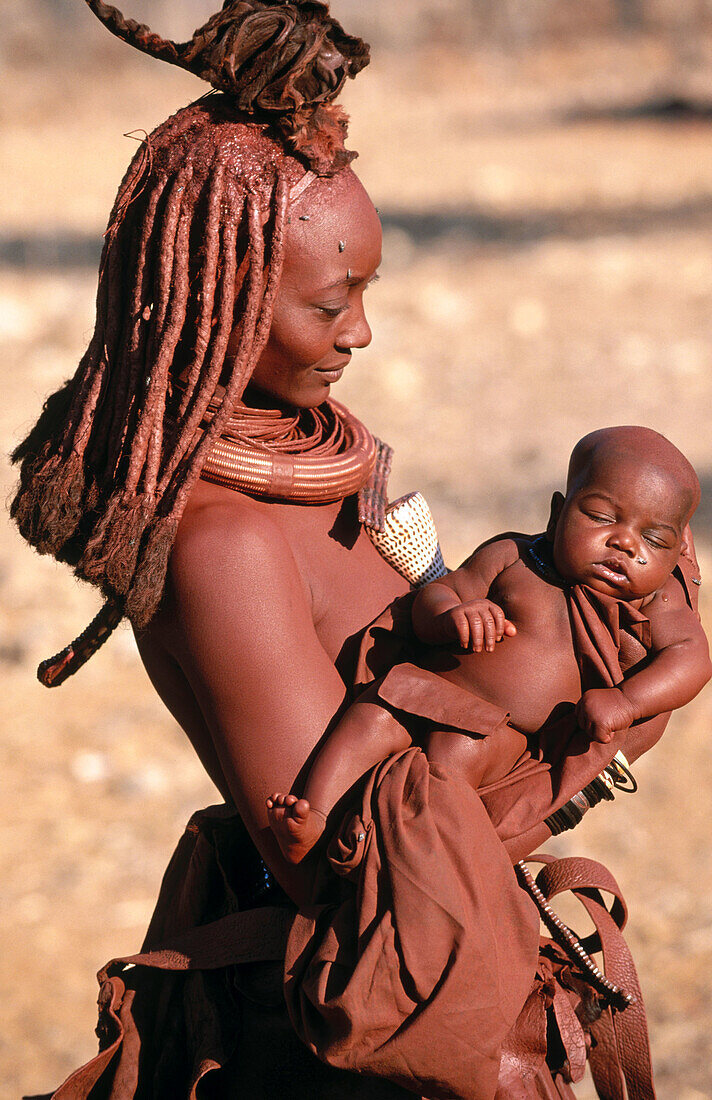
{"x": 479, "y": 760}
{"x": 366, "y": 734}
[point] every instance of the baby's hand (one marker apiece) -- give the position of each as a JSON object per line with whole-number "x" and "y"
{"x": 477, "y": 625}
{"x": 603, "y": 712}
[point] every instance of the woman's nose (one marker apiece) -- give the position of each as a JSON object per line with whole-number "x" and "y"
{"x": 356, "y": 332}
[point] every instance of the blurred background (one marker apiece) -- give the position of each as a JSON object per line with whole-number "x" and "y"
{"x": 543, "y": 169}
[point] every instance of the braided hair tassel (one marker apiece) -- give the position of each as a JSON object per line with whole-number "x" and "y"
{"x": 55, "y": 670}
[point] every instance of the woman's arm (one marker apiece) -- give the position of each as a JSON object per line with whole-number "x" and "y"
{"x": 246, "y": 642}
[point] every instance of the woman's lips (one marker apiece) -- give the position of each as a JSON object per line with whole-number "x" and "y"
{"x": 330, "y": 374}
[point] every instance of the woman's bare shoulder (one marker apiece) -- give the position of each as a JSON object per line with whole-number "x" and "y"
{"x": 225, "y": 534}
{"x": 231, "y": 569}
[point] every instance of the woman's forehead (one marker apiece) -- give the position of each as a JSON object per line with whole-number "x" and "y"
{"x": 333, "y": 229}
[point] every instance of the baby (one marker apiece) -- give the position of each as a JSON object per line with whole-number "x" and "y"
{"x": 618, "y": 532}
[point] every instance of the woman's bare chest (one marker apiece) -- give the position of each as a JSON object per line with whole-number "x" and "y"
{"x": 346, "y": 580}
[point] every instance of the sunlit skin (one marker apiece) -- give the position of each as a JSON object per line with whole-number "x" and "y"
{"x": 618, "y": 530}
{"x": 264, "y": 598}
{"x": 319, "y": 318}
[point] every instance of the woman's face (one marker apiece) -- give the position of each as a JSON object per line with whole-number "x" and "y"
{"x": 332, "y": 253}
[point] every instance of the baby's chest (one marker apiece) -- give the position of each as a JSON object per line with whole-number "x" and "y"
{"x": 535, "y": 607}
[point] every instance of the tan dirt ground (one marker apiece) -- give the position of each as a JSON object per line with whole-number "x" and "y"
{"x": 590, "y": 303}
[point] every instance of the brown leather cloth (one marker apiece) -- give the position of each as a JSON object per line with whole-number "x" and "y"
{"x": 415, "y": 962}
{"x": 563, "y": 760}
{"x": 190, "y": 1019}
{"x": 200, "y": 1013}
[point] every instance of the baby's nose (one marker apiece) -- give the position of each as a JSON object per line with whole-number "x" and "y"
{"x": 624, "y": 540}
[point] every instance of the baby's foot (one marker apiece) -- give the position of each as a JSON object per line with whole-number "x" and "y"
{"x": 295, "y": 823}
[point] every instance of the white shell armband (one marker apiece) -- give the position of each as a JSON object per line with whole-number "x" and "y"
{"x": 409, "y": 542}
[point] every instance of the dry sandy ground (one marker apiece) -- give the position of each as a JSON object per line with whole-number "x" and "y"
{"x": 589, "y": 303}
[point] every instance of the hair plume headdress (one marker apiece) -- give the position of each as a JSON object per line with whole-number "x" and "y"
{"x": 287, "y": 59}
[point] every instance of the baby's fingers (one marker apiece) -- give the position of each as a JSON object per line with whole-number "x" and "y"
{"x": 475, "y": 630}
{"x": 602, "y": 734}
{"x": 492, "y": 630}
{"x": 481, "y": 629}
{"x": 596, "y": 730}
{"x": 461, "y": 623}
{"x": 582, "y": 719}
{"x": 498, "y": 620}
{"x": 504, "y": 628}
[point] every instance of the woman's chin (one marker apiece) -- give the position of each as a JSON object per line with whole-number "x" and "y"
{"x": 315, "y": 389}
{"x": 308, "y": 396}
{"x": 311, "y": 398}
{"x": 314, "y": 396}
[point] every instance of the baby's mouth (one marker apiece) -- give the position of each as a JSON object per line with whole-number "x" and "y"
{"x": 612, "y": 570}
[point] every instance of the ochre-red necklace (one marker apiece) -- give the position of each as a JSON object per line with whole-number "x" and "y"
{"x": 312, "y": 456}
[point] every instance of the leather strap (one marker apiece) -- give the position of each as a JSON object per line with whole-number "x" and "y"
{"x": 257, "y": 935}
{"x": 622, "y": 1050}
{"x": 604, "y": 1062}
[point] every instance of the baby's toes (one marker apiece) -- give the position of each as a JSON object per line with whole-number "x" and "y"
{"x": 300, "y": 809}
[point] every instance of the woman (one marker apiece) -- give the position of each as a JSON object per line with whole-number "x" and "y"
{"x": 194, "y": 471}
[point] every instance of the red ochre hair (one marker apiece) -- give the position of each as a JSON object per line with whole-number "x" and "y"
{"x": 193, "y": 251}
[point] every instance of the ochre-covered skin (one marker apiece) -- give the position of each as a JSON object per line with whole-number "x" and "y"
{"x": 217, "y": 285}
{"x": 263, "y": 598}
{"x": 501, "y": 629}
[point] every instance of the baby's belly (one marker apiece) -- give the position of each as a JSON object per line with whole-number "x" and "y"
{"x": 523, "y": 675}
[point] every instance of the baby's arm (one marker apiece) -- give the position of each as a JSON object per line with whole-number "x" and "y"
{"x": 456, "y": 608}
{"x": 678, "y": 667}
{"x": 366, "y": 734}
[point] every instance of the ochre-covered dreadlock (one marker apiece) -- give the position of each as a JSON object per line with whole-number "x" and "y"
{"x": 192, "y": 257}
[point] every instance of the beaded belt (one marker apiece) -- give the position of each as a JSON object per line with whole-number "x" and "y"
{"x": 616, "y": 776}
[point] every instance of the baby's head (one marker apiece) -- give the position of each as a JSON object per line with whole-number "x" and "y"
{"x": 629, "y": 497}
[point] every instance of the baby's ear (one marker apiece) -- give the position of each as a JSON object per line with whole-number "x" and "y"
{"x": 557, "y": 503}
{"x": 686, "y": 540}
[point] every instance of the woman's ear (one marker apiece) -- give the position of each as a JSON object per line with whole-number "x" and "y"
{"x": 557, "y": 503}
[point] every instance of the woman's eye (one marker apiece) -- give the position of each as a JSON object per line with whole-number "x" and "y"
{"x": 332, "y": 311}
